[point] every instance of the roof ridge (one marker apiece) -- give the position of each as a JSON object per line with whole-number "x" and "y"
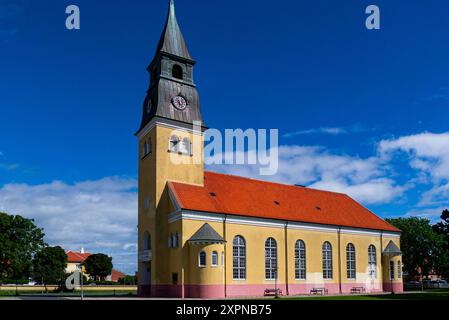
{"x": 278, "y": 183}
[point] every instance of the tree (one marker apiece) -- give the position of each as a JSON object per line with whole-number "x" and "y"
{"x": 128, "y": 280}
{"x": 420, "y": 245}
{"x": 20, "y": 239}
{"x": 99, "y": 266}
{"x": 442, "y": 228}
{"x": 49, "y": 265}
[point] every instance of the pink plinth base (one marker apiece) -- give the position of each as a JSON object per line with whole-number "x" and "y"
{"x": 257, "y": 290}
{"x": 397, "y": 287}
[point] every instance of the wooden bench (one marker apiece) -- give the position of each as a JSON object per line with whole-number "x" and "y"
{"x": 321, "y": 291}
{"x": 358, "y": 290}
{"x": 273, "y": 292}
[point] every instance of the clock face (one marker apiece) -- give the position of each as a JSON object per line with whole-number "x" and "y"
{"x": 179, "y": 102}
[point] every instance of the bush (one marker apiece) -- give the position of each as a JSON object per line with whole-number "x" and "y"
{"x": 13, "y": 282}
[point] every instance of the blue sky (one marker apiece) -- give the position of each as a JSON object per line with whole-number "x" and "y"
{"x": 362, "y": 112}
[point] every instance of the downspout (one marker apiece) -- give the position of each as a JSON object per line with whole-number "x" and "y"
{"x": 339, "y": 260}
{"x": 225, "y": 257}
{"x": 286, "y": 257}
{"x": 382, "y": 259}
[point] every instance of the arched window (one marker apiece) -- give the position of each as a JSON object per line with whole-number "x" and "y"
{"x": 372, "y": 261}
{"x": 350, "y": 261}
{"x": 270, "y": 259}
{"x": 214, "y": 258}
{"x": 174, "y": 144}
{"x": 399, "y": 269}
{"x": 300, "y": 260}
{"x": 177, "y": 72}
{"x": 238, "y": 258}
{"x": 327, "y": 261}
{"x": 146, "y": 148}
{"x": 185, "y": 146}
{"x": 170, "y": 241}
{"x": 202, "y": 259}
{"x": 174, "y": 240}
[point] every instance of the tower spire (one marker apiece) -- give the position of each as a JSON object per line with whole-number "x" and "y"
{"x": 172, "y": 40}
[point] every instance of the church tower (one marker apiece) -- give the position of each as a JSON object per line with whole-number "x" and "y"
{"x": 170, "y": 149}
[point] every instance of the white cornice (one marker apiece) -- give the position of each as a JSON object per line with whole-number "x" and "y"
{"x": 262, "y": 222}
{"x": 166, "y": 123}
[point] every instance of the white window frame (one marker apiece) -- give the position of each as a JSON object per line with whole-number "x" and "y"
{"x": 214, "y": 259}
{"x": 239, "y": 258}
{"x": 271, "y": 259}
{"x": 327, "y": 257}
{"x": 351, "y": 262}
{"x": 372, "y": 261}
{"x": 300, "y": 260}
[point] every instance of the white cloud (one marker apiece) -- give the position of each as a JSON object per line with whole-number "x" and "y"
{"x": 428, "y": 154}
{"x": 364, "y": 179}
{"x": 99, "y": 215}
{"x": 322, "y": 130}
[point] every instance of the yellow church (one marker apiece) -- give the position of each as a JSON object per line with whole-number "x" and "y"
{"x": 208, "y": 235}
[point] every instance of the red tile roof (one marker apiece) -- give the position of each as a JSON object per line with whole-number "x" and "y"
{"x": 235, "y": 195}
{"x": 73, "y": 256}
{"x": 116, "y": 275}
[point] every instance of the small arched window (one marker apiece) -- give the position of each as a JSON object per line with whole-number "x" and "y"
{"x": 350, "y": 261}
{"x": 202, "y": 259}
{"x": 270, "y": 259}
{"x": 327, "y": 261}
{"x": 174, "y": 240}
{"x": 146, "y": 148}
{"x": 174, "y": 144}
{"x": 300, "y": 260}
{"x": 170, "y": 241}
{"x": 186, "y": 146}
{"x": 177, "y": 72}
{"x": 372, "y": 262}
{"x": 214, "y": 258}
{"x": 239, "y": 258}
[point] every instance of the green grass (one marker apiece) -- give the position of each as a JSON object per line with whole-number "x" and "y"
{"x": 110, "y": 293}
{"x": 437, "y": 294}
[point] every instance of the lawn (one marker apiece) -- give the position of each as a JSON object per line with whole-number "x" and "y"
{"x": 99, "y": 294}
{"x": 436, "y": 294}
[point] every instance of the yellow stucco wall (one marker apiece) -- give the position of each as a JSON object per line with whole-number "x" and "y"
{"x": 154, "y": 171}
{"x": 255, "y": 237}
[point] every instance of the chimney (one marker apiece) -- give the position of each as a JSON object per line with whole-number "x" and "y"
{"x": 82, "y": 250}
